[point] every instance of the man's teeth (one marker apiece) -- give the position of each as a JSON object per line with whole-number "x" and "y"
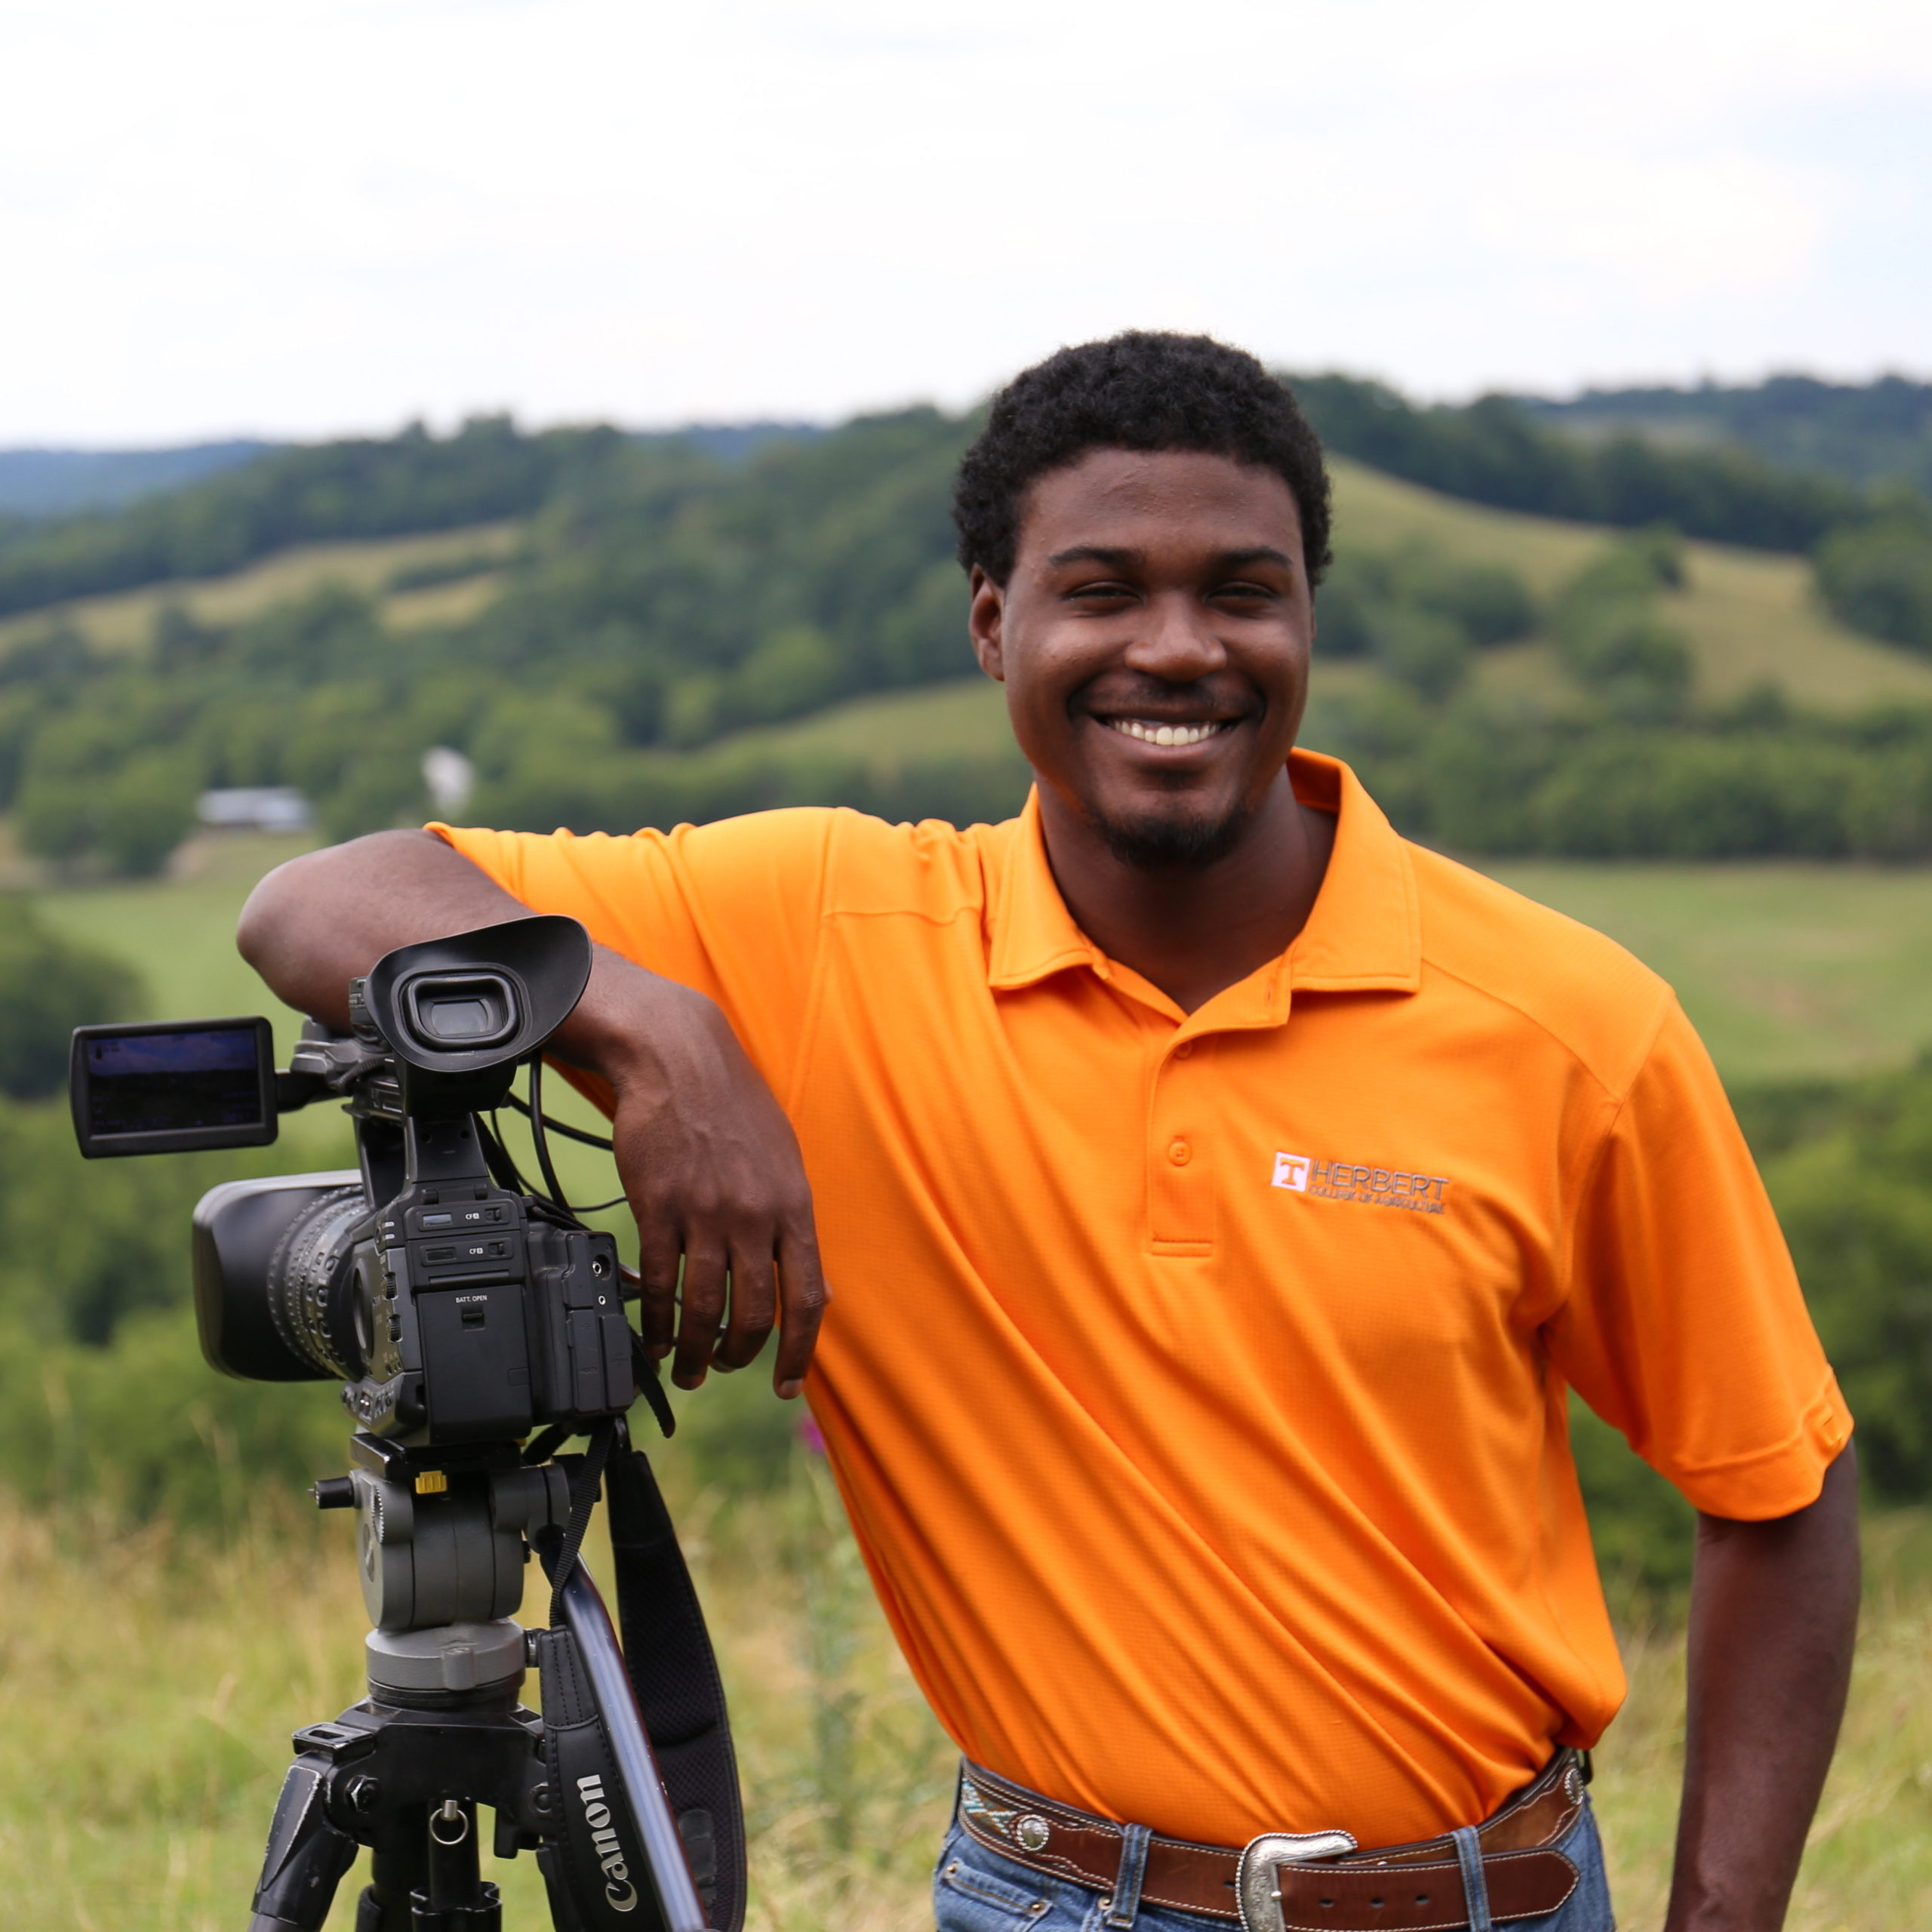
{"x": 1150, "y": 734}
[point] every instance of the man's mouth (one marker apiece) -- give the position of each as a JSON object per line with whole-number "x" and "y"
{"x": 1153, "y": 731}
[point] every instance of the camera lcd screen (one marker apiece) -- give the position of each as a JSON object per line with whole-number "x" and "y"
{"x": 153, "y": 1089}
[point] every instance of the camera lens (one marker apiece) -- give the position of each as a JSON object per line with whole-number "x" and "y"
{"x": 311, "y": 1288}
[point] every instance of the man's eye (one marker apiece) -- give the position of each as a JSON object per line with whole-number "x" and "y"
{"x": 1103, "y": 592}
{"x": 1247, "y": 593}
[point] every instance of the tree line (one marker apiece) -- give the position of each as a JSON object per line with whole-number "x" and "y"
{"x": 1867, "y": 433}
{"x": 1794, "y": 478}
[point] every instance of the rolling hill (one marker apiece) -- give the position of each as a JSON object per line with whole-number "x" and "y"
{"x": 1752, "y": 615}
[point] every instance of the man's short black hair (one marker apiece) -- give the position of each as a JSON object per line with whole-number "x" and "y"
{"x": 1143, "y": 390}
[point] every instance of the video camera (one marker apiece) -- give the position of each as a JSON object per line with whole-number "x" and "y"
{"x": 461, "y": 1309}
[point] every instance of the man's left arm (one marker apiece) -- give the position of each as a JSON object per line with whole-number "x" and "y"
{"x": 1685, "y": 1328}
{"x": 1773, "y": 1609}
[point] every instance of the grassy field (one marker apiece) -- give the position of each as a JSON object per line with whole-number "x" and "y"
{"x": 124, "y": 620}
{"x": 157, "y": 1682}
{"x": 964, "y": 718}
{"x": 1787, "y": 968}
{"x": 1751, "y": 616}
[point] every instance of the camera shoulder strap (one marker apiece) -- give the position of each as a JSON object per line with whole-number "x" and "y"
{"x": 679, "y": 1693}
{"x": 595, "y": 1880}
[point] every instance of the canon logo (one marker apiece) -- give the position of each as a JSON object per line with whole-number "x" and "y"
{"x": 618, "y": 1888}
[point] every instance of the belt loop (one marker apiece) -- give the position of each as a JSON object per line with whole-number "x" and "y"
{"x": 1475, "y": 1884}
{"x": 1124, "y": 1906}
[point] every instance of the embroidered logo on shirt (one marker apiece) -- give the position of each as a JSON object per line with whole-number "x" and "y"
{"x": 1369, "y": 1187}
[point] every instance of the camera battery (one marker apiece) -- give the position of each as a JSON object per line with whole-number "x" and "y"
{"x": 476, "y": 1361}
{"x": 580, "y": 1342}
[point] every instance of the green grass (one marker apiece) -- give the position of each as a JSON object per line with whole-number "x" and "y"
{"x": 151, "y": 1684}
{"x": 1786, "y": 968}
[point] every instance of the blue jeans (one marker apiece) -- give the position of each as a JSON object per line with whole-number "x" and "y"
{"x": 977, "y": 1890}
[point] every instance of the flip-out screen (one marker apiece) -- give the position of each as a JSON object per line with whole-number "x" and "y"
{"x": 170, "y": 1088}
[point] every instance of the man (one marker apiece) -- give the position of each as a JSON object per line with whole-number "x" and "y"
{"x": 1220, "y": 1195}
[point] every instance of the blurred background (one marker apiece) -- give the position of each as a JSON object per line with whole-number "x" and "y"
{"x": 543, "y": 414}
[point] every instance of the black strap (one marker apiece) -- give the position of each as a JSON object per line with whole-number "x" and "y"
{"x": 679, "y": 1693}
{"x": 595, "y": 1871}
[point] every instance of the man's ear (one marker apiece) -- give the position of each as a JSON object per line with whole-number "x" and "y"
{"x": 986, "y": 614}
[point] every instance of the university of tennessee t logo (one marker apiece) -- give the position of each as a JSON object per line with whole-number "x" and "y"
{"x": 1373, "y": 1187}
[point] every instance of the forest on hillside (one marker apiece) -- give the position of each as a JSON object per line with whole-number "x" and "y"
{"x": 1865, "y": 433}
{"x": 666, "y": 598}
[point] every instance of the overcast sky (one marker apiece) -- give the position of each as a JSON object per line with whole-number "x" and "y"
{"x": 297, "y": 216}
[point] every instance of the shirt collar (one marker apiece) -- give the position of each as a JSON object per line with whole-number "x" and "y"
{"x": 1364, "y": 935}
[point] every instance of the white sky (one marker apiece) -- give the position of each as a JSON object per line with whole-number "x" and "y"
{"x": 297, "y": 216}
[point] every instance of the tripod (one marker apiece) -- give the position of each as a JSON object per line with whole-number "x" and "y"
{"x": 623, "y": 1840}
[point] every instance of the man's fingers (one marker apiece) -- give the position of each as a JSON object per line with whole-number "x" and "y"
{"x": 657, "y": 1285}
{"x": 705, "y": 1275}
{"x": 754, "y": 1306}
{"x": 802, "y": 1296}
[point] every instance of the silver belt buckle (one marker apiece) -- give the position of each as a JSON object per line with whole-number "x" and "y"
{"x": 1256, "y": 1890}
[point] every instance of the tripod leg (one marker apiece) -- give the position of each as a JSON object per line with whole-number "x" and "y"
{"x": 397, "y": 1872}
{"x": 306, "y": 1858}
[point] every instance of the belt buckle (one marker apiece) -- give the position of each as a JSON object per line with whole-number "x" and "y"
{"x": 1255, "y": 1887}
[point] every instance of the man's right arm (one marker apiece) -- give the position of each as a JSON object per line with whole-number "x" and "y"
{"x": 708, "y": 1161}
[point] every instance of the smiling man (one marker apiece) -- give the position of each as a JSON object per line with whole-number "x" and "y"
{"x": 1222, "y": 1195}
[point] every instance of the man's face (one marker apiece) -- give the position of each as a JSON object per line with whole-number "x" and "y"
{"x": 1153, "y": 639}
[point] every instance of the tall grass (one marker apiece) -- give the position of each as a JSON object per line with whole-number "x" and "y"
{"x": 148, "y": 1679}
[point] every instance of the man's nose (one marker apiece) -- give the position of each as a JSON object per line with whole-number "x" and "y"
{"x": 1175, "y": 641}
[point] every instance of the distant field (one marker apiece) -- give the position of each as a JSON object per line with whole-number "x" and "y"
{"x": 124, "y": 620}
{"x": 1750, "y": 616}
{"x": 1787, "y": 969}
{"x": 180, "y": 932}
{"x": 964, "y": 718}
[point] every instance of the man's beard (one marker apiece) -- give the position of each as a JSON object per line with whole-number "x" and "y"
{"x": 1182, "y": 840}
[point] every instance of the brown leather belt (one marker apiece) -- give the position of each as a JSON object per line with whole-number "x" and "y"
{"x": 1414, "y": 1887}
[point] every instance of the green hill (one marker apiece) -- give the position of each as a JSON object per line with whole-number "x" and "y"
{"x": 1751, "y": 617}
{"x": 666, "y": 634}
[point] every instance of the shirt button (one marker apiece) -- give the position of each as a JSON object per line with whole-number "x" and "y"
{"x": 1180, "y": 1153}
{"x": 1182, "y": 1051}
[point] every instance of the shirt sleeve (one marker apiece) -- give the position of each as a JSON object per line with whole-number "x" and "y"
{"x": 1685, "y": 1327}
{"x": 732, "y": 908}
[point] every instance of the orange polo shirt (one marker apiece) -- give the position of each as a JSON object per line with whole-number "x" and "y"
{"x": 1195, "y": 1383}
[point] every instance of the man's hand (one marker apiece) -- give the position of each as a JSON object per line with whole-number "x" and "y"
{"x": 1774, "y": 1610}
{"x": 708, "y": 1161}
{"x": 711, "y": 1170}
